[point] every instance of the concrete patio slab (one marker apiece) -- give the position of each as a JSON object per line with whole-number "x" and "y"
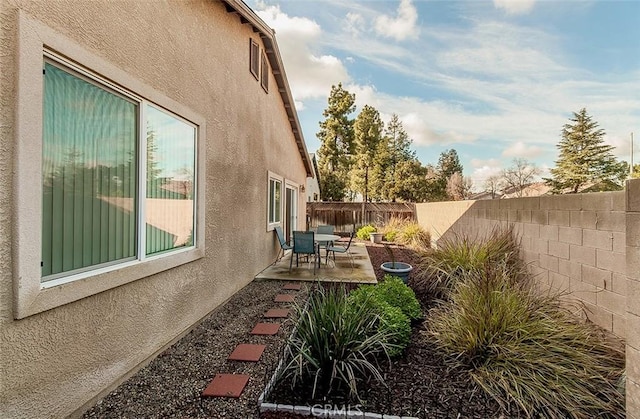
{"x": 342, "y": 271}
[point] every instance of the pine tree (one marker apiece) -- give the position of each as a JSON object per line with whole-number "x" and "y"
{"x": 583, "y": 157}
{"x": 336, "y": 149}
{"x": 398, "y": 150}
{"x": 368, "y": 134}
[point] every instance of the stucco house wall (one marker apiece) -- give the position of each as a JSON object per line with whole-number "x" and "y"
{"x": 70, "y": 343}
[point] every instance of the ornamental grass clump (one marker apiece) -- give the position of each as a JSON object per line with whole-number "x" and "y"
{"x": 525, "y": 349}
{"x": 440, "y": 269}
{"x": 406, "y": 232}
{"x": 336, "y": 344}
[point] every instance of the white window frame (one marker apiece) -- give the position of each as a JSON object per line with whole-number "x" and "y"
{"x": 271, "y": 224}
{"x": 32, "y": 296}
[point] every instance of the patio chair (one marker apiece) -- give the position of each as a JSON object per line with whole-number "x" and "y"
{"x": 284, "y": 246}
{"x": 325, "y": 229}
{"x": 304, "y": 244}
{"x": 340, "y": 249}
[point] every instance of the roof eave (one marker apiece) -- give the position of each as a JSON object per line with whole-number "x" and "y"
{"x": 267, "y": 34}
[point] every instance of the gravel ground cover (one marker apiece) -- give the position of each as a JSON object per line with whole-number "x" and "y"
{"x": 171, "y": 385}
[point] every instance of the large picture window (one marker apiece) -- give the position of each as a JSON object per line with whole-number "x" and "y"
{"x": 97, "y": 146}
{"x": 107, "y": 186}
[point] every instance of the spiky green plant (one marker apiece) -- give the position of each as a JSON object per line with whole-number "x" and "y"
{"x": 336, "y": 345}
{"x": 439, "y": 270}
{"x": 525, "y": 349}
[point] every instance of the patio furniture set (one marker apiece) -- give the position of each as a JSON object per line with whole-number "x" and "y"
{"x": 310, "y": 244}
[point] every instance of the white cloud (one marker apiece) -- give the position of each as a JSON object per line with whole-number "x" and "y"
{"x": 399, "y": 27}
{"x": 355, "y": 23}
{"x": 521, "y": 150}
{"x": 310, "y": 75}
{"x": 515, "y": 7}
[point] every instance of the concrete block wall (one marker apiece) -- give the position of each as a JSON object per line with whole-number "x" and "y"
{"x": 632, "y": 220}
{"x": 586, "y": 244}
{"x": 575, "y": 244}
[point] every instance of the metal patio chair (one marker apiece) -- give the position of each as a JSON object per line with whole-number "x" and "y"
{"x": 304, "y": 244}
{"x": 284, "y": 246}
{"x": 333, "y": 248}
{"x": 325, "y": 229}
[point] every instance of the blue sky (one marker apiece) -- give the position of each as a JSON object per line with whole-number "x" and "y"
{"x": 495, "y": 80}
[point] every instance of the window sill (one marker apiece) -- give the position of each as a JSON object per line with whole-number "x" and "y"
{"x": 31, "y": 300}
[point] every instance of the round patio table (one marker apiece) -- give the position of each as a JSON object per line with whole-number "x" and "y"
{"x": 325, "y": 237}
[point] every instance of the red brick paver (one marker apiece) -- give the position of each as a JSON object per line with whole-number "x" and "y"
{"x": 284, "y": 298}
{"x": 266, "y": 329}
{"x": 276, "y": 313}
{"x": 247, "y": 352}
{"x": 226, "y": 385}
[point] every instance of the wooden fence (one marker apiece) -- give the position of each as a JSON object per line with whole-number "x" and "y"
{"x": 349, "y": 216}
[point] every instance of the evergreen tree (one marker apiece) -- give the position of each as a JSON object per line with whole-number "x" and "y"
{"x": 583, "y": 157}
{"x": 336, "y": 149}
{"x": 368, "y": 134}
{"x": 397, "y": 150}
{"x": 411, "y": 185}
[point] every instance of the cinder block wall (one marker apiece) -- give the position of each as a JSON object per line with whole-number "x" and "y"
{"x": 572, "y": 243}
{"x": 633, "y": 298}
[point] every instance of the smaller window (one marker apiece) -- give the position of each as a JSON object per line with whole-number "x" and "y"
{"x": 254, "y": 58}
{"x": 264, "y": 76}
{"x": 275, "y": 200}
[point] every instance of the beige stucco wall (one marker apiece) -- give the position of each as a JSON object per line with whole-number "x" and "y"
{"x": 438, "y": 217}
{"x": 196, "y": 54}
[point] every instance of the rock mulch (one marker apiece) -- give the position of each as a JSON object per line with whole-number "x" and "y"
{"x": 171, "y": 385}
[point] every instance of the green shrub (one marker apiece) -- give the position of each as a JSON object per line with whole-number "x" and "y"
{"x": 395, "y": 292}
{"x": 364, "y": 231}
{"x": 390, "y": 307}
{"x": 525, "y": 350}
{"x": 336, "y": 344}
{"x": 440, "y": 269}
